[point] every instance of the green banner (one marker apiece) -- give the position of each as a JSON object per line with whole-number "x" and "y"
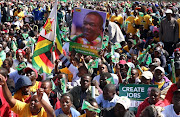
{"x": 136, "y": 93}
{"x": 84, "y": 49}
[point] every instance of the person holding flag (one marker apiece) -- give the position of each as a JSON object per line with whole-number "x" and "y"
{"x": 91, "y": 107}
{"x": 49, "y": 35}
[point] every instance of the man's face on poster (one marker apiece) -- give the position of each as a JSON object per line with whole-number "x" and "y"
{"x": 91, "y": 27}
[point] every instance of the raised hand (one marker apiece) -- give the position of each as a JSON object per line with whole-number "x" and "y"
{"x": 40, "y": 92}
{"x": 2, "y": 80}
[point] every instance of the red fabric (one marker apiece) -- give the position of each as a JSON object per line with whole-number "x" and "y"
{"x": 145, "y": 103}
{"x": 169, "y": 95}
{"x": 57, "y": 106}
{"x": 4, "y": 108}
{"x": 39, "y": 86}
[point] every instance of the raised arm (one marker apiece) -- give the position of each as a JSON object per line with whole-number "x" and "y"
{"x": 6, "y": 92}
{"x": 46, "y": 106}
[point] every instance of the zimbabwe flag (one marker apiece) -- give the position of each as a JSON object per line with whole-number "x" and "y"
{"x": 42, "y": 56}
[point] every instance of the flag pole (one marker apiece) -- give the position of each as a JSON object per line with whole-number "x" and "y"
{"x": 53, "y": 52}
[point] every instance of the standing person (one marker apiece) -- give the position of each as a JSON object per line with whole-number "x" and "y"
{"x": 38, "y": 15}
{"x": 115, "y": 33}
{"x": 169, "y": 32}
{"x": 37, "y": 107}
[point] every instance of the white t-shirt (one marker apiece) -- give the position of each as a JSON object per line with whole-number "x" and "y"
{"x": 169, "y": 111}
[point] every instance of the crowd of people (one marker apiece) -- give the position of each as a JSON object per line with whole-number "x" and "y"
{"x": 148, "y": 35}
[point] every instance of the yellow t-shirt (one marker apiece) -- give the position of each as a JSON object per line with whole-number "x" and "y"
{"x": 23, "y": 110}
{"x": 20, "y": 15}
{"x": 15, "y": 13}
{"x": 130, "y": 28}
{"x": 147, "y": 21}
{"x": 119, "y": 19}
{"x": 18, "y": 95}
{"x": 178, "y": 21}
{"x": 66, "y": 71}
{"x": 112, "y": 18}
{"x": 35, "y": 87}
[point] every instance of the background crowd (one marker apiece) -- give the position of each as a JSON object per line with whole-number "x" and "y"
{"x": 148, "y": 52}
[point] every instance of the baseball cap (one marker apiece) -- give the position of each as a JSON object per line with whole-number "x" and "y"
{"x": 22, "y": 81}
{"x": 125, "y": 101}
{"x": 21, "y": 51}
{"x": 168, "y": 11}
{"x": 160, "y": 68}
{"x": 28, "y": 69}
{"x": 148, "y": 75}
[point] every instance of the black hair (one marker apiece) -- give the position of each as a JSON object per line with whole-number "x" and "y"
{"x": 155, "y": 89}
{"x": 152, "y": 111}
{"x": 106, "y": 74}
{"x": 3, "y": 72}
{"x": 110, "y": 87}
{"x": 86, "y": 75}
{"x": 91, "y": 100}
{"x": 83, "y": 67}
{"x": 9, "y": 61}
{"x": 48, "y": 82}
{"x": 67, "y": 94}
{"x": 99, "y": 17}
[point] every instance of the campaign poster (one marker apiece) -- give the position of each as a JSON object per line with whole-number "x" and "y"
{"x": 87, "y": 31}
{"x": 137, "y": 93}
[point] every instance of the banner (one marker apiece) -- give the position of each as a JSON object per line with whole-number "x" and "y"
{"x": 137, "y": 93}
{"x": 87, "y": 31}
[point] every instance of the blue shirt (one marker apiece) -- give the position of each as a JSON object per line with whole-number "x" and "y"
{"x": 74, "y": 112}
{"x": 38, "y": 14}
{"x": 105, "y": 103}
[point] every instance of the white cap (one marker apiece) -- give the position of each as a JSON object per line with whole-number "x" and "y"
{"x": 159, "y": 68}
{"x": 148, "y": 75}
{"x": 125, "y": 101}
{"x": 168, "y": 11}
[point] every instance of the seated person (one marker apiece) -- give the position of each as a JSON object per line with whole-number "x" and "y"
{"x": 81, "y": 92}
{"x": 121, "y": 109}
{"x": 37, "y": 106}
{"x": 173, "y": 110}
{"x": 146, "y": 77}
{"x": 103, "y": 69}
{"x": 108, "y": 98}
{"x": 152, "y": 111}
{"x": 91, "y": 113}
{"x": 66, "y": 106}
{"x": 134, "y": 79}
{"x": 172, "y": 89}
{"x": 15, "y": 75}
{"x": 153, "y": 99}
{"x": 161, "y": 80}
